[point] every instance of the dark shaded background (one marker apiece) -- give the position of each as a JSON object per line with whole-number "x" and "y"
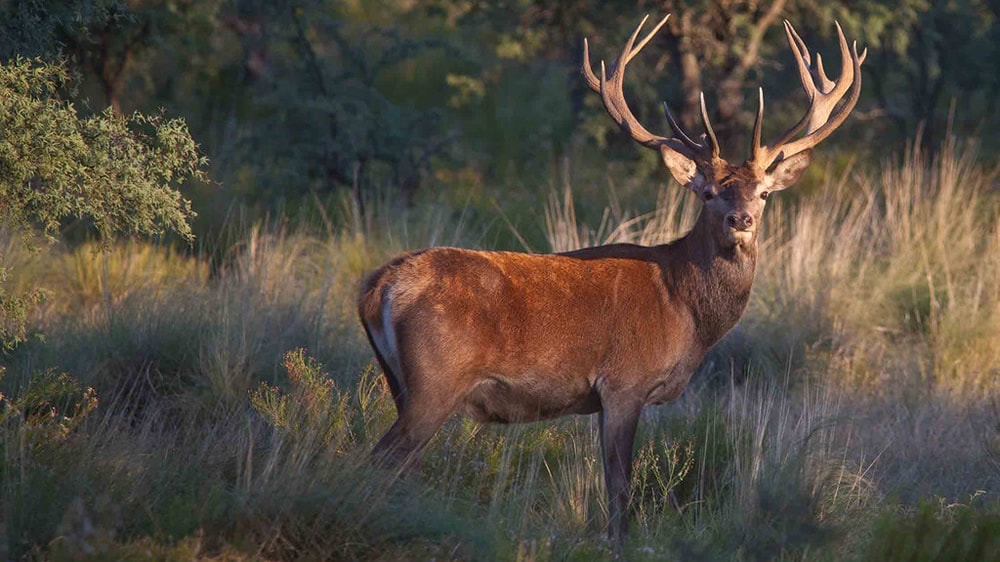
{"x": 480, "y": 104}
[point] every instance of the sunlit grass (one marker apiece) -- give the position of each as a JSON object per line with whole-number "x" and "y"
{"x": 861, "y": 381}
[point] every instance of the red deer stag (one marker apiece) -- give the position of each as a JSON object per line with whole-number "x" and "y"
{"x": 510, "y": 337}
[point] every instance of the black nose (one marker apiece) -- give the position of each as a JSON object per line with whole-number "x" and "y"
{"x": 739, "y": 220}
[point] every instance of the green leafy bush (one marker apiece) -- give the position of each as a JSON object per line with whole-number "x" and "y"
{"x": 931, "y": 534}
{"x": 120, "y": 172}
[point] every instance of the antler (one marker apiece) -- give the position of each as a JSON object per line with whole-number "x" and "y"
{"x": 613, "y": 96}
{"x": 824, "y": 95}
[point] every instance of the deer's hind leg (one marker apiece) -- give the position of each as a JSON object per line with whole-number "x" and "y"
{"x": 431, "y": 395}
{"x": 420, "y": 416}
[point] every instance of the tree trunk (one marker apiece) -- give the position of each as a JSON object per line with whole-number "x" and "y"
{"x": 690, "y": 110}
{"x": 730, "y": 107}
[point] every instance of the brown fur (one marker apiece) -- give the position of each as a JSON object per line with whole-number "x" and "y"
{"x": 511, "y": 337}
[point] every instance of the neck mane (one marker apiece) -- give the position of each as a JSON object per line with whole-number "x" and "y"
{"x": 713, "y": 281}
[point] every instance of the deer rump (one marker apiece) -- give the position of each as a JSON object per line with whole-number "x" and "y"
{"x": 519, "y": 337}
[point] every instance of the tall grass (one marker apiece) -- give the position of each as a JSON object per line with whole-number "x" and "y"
{"x": 223, "y": 407}
{"x": 908, "y": 254}
{"x": 152, "y": 321}
{"x": 884, "y": 286}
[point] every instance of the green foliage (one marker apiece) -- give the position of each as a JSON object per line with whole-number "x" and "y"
{"x": 929, "y": 534}
{"x": 14, "y": 311}
{"x": 48, "y": 407}
{"x": 324, "y": 102}
{"x": 304, "y": 96}
{"x": 314, "y": 408}
{"x": 121, "y": 172}
{"x": 660, "y": 466}
{"x": 37, "y": 423}
{"x": 36, "y": 27}
{"x": 312, "y": 422}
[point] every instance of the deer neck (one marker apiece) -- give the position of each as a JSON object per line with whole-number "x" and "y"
{"x": 714, "y": 281}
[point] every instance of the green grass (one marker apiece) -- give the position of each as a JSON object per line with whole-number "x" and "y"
{"x": 222, "y": 406}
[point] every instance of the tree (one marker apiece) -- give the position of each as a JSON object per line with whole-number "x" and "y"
{"x": 120, "y": 172}
{"x": 947, "y": 51}
{"x": 31, "y": 28}
{"x": 356, "y": 125}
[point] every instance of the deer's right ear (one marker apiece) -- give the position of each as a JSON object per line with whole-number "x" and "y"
{"x": 684, "y": 169}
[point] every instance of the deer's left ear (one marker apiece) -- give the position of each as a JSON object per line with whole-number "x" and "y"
{"x": 787, "y": 172}
{"x": 684, "y": 169}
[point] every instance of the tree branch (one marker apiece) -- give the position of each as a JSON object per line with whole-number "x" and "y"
{"x": 757, "y": 36}
{"x": 308, "y": 51}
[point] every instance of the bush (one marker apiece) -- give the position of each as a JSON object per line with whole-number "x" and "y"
{"x": 122, "y": 173}
{"x": 931, "y": 533}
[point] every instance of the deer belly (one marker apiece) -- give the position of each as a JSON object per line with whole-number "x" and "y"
{"x": 672, "y": 382}
{"x": 514, "y": 401}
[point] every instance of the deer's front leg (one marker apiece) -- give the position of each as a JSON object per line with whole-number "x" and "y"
{"x": 619, "y": 418}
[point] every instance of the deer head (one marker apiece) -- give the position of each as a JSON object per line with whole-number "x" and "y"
{"x": 734, "y": 196}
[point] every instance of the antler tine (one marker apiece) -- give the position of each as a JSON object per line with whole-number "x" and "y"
{"x": 802, "y": 58}
{"x": 759, "y": 153}
{"x": 814, "y": 79}
{"x": 713, "y": 141}
{"x": 614, "y": 96}
{"x": 610, "y": 107}
{"x": 627, "y": 52}
{"x": 588, "y": 72}
{"x": 824, "y": 95}
{"x": 758, "y": 124}
{"x": 824, "y": 82}
{"x": 678, "y": 131}
{"x": 835, "y": 90}
{"x": 824, "y": 103}
{"x": 649, "y": 36}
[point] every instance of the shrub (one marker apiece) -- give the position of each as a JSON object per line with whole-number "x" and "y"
{"x": 929, "y": 533}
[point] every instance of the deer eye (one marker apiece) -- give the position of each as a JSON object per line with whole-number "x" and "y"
{"x": 764, "y": 194}
{"x": 709, "y": 195}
